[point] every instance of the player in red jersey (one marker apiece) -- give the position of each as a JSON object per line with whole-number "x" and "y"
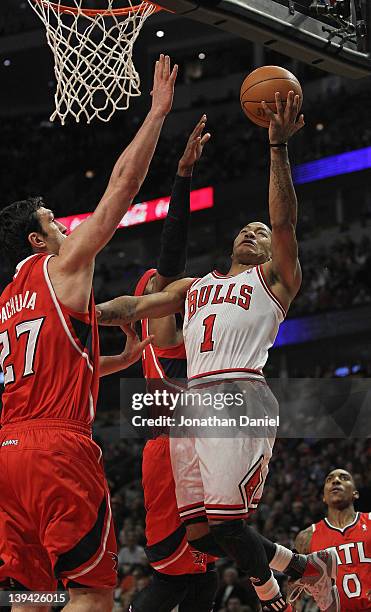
{"x": 55, "y": 516}
{"x": 181, "y": 576}
{"x": 220, "y": 483}
{"x": 348, "y": 533}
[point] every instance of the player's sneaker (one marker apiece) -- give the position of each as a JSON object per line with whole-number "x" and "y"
{"x": 318, "y": 581}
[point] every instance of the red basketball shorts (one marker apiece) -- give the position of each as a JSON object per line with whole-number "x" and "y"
{"x": 55, "y": 514}
{"x": 167, "y": 548}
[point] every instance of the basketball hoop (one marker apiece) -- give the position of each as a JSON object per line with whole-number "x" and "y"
{"x": 93, "y": 55}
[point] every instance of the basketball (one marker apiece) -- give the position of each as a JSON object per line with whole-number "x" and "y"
{"x": 262, "y": 84}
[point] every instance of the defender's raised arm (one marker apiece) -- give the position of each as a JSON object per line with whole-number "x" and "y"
{"x": 174, "y": 237}
{"x": 71, "y": 273}
{"x": 127, "y": 176}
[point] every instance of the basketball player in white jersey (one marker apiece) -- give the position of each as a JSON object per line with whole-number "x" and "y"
{"x": 230, "y": 323}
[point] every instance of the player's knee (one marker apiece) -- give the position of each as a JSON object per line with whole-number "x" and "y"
{"x": 91, "y": 600}
{"x": 227, "y": 528}
{"x": 227, "y": 532}
{"x": 196, "y": 531}
{"x": 207, "y": 544}
{"x": 201, "y": 539}
{"x": 242, "y": 544}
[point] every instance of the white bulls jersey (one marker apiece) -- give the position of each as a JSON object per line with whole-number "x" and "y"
{"x": 230, "y": 323}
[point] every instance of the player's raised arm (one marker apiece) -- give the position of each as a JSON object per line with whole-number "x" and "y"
{"x": 127, "y": 309}
{"x": 127, "y": 176}
{"x": 174, "y": 237}
{"x": 284, "y": 268}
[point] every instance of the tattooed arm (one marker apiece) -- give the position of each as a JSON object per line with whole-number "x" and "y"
{"x": 284, "y": 269}
{"x": 303, "y": 540}
{"x": 126, "y": 309}
{"x": 283, "y": 208}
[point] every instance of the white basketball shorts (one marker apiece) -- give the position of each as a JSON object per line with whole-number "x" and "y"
{"x": 223, "y": 478}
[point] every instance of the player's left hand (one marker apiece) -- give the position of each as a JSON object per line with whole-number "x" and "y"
{"x": 163, "y": 86}
{"x": 369, "y": 595}
{"x": 284, "y": 123}
{"x": 194, "y": 148}
{"x": 134, "y": 347}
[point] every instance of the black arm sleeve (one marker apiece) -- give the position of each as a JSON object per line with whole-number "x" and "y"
{"x": 174, "y": 236}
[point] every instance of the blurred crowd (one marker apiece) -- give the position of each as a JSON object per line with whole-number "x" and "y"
{"x": 335, "y": 278}
{"x": 292, "y": 501}
{"x": 334, "y": 124}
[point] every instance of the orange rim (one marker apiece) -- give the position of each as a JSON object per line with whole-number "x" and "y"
{"x": 139, "y": 8}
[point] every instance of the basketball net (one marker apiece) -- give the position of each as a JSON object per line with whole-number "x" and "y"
{"x": 93, "y": 56}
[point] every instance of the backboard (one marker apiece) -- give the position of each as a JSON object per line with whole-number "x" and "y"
{"x": 299, "y": 29}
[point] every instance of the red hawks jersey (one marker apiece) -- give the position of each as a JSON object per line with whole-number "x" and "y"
{"x": 163, "y": 362}
{"x": 166, "y": 362}
{"x": 48, "y": 353}
{"x": 352, "y": 545}
{"x": 230, "y": 323}
{"x": 167, "y": 549}
{"x": 161, "y": 365}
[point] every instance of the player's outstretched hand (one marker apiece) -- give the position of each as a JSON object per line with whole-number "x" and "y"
{"x": 133, "y": 347}
{"x": 163, "y": 86}
{"x": 284, "y": 123}
{"x": 194, "y": 148}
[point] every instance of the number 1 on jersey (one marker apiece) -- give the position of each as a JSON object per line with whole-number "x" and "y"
{"x": 207, "y": 343}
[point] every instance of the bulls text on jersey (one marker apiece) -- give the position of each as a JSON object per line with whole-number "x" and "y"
{"x": 219, "y": 294}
